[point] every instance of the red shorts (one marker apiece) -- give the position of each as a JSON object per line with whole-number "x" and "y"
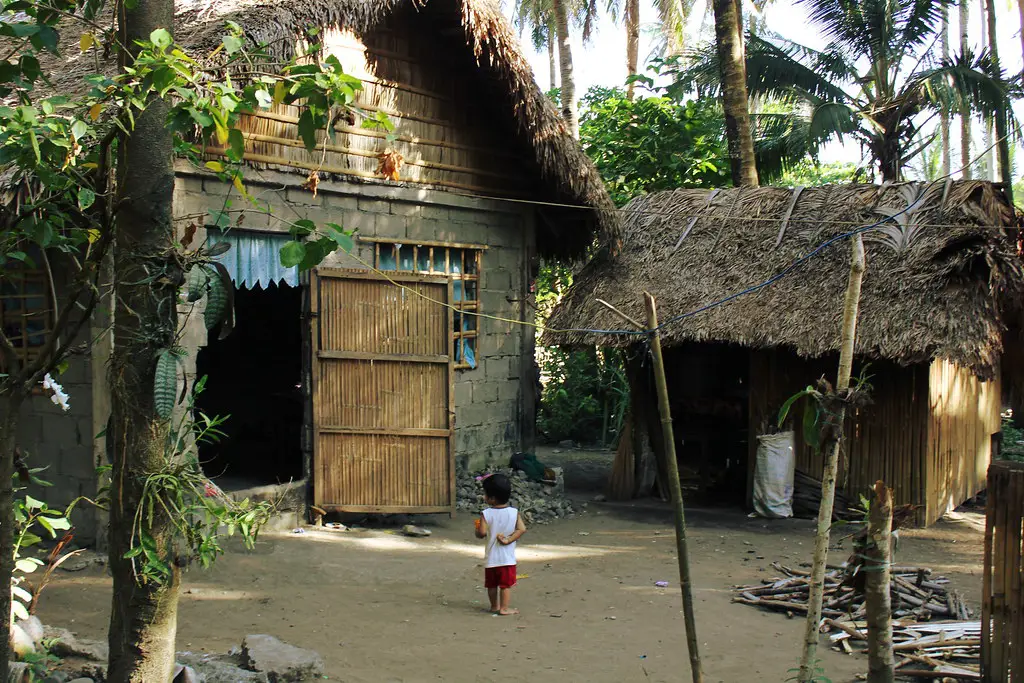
{"x": 500, "y": 577}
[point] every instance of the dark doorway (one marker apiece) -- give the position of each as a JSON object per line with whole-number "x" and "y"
{"x": 254, "y": 376}
{"x": 709, "y": 389}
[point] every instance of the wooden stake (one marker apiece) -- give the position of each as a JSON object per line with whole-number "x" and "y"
{"x": 877, "y": 601}
{"x": 672, "y": 468}
{"x": 828, "y": 479}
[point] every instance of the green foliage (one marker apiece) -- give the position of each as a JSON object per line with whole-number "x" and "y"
{"x": 585, "y": 395}
{"x": 653, "y": 143}
{"x": 1012, "y": 446}
{"x": 817, "y": 674}
{"x": 195, "y": 507}
{"x": 808, "y": 173}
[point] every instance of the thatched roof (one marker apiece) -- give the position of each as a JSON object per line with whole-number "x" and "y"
{"x": 944, "y": 294}
{"x": 564, "y": 173}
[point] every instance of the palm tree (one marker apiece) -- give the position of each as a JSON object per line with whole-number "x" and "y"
{"x": 965, "y": 108}
{"x": 944, "y": 114}
{"x": 548, "y": 23}
{"x": 879, "y": 106}
{"x": 1001, "y": 114}
{"x": 733, "y": 76}
{"x": 672, "y": 17}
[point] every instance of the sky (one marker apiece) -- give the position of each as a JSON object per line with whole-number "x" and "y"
{"x": 603, "y": 60}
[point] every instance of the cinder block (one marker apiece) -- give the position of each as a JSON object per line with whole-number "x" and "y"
{"x": 406, "y": 209}
{"x": 485, "y": 392}
{"x": 391, "y": 226}
{"x": 423, "y": 228}
{"x": 77, "y": 464}
{"x": 509, "y": 392}
{"x": 361, "y": 221}
{"x": 473, "y": 415}
{"x": 497, "y": 279}
{"x": 298, "y": 196}
{"x": 463, "y": 394}
{"x": 374, "y": 205}
{"x": 498, "y": 368}
{"x": 340, "y": 202}
{"x": 436, "y": 211}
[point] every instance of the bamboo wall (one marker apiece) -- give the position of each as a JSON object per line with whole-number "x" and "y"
{"x": 927, "y": 432}
{"x": 1002, "y": 608}
{"x": 964, "y": 416}
{"x": 449, "y": 129}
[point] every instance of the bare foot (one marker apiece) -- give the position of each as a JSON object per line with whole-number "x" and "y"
{"x": 508, "y": 612}
{"x": 493, "y": 609}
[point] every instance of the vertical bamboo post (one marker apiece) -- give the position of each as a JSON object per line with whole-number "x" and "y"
{"x": 877, "y": 601}
{"x": 672, "y": 468}
{"x": 851, "y": 307}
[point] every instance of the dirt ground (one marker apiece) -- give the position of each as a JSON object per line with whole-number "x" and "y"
{"x": 382, "y": 607}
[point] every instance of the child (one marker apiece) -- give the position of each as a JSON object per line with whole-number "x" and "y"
{"x": 502, "y": 526}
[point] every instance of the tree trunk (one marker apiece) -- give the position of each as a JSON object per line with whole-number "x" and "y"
{"x": 568, "y": 82}
{"x": 989, "y": 155}
{"x": 1002, "y": 142}
{"x": 729, "y": 41}
{"x": 965, "y": 109}
{"x": 877, "y": 603}
{"x": 944, "y": 115}
{"x": 851, "y": 307}
{"x": 1020, "y": 11}
{"x": 143, "y": 619}
{"x": 632, "y": 21}
{"x": 8, "y": 441}
{"x": 553, "y": 63}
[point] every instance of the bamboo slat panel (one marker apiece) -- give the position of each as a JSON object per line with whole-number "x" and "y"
{"x": 422, "y": 87}
{"x": 1002, "y": 609}
{"x": 964, "y": 417}
{"x": 383, "y": 413}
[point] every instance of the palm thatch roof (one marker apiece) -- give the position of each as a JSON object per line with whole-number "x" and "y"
{"x": 941, "y": 269}
{"x": 501, "y": 75}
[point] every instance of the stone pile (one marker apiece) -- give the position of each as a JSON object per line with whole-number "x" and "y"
{"x": 540, "y": 503}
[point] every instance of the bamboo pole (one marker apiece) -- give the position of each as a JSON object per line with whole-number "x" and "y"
{"x": 877, "y": 600}
{"x": 828, "y": 478}
{"x": 672, "y": 468}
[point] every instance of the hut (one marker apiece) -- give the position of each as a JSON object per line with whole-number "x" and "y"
{"x": 935, "y": 309}
{"x": 365, "y": 395}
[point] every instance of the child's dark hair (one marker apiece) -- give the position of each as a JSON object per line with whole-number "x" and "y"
{"x": 498, "y": 487}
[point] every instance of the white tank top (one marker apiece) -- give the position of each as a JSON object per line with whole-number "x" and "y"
{"x": 500, "y": 521}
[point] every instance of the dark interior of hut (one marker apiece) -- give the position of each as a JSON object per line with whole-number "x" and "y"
{"x": 709, "y": 391}
{"x": 254, "y": 377}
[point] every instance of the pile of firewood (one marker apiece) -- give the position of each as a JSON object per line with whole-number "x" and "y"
{"x": 932, "y": 633}
{"x": 807, "y": 499}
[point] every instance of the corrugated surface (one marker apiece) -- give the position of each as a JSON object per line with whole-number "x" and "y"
{"x": 382, "y": 397}
{"x": 964, "y": 416}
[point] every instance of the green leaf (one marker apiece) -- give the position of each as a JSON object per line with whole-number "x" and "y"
{"x": 236, "y": 144}
{"x": 784, "y": 410}
{"x": 220, "y": 218}
{"x": 134, "y": 552}
{"x": 33, "y": 504}
{"x": 86, "y": 198}
{"x": 280, "y": 92}
{"x": 342, "y": 238}
{"x": 307, "y": 129}
{"x": 302, "y": 228}
{"x": 198, "y": 283}
{"x": 292, "y": 254}
{"x": 34, "y": 141}
{"x": 79, "y": 128}
{"x": 165, "y": 384}
{"x": 215, "y": 166}
{"x": 161, "y": 38}
{"x": 19, "y": 610}
{"x": 217, "y": 301}
{"x": 27, "y": 565}
{"x": 264, "y": 98}
{"x": 59, "y": 522}
{"x": 233, "y": 44}
{"x": 45, "y": 523}
{"x": 21, "y": 594}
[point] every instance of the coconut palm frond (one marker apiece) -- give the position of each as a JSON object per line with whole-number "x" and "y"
{"x": 904, "y": 224}
{"x": 775, "y": 71}
{"x": 917, "y": 22}
{"x": 672, "y": 14}
{"x": 966, "y": 79}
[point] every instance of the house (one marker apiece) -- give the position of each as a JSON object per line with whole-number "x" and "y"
{"x": 933, "y": 333}
{"x": 371, "y": 379}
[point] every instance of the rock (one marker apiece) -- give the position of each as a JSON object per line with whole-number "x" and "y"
{"x": 58, "y": 677}
{"x": 33, "y": 628}
{"x": 81, "y": 680}
{"x": 66, "y": 644}
{"x": 283, "y": 663}
{"x": 600, "y": 498}
{"x": 415, "y": 531}
{"x": 568, "y": 443}
{"x": 21, "y": 642}
{"x": 220, "y": 668}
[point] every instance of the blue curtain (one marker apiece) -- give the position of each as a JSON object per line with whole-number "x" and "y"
{"x": 254, "y": 258}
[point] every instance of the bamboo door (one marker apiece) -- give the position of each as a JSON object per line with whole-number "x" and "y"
{"x": 383, "y": 398}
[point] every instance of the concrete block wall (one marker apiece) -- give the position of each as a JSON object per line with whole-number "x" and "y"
{"x": 488, "y": 401}
{"x": 62, "y": 442}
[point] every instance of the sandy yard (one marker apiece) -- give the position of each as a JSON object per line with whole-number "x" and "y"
{"x": 381, "y": 607}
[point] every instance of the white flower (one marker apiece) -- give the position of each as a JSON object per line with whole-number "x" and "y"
{"x": 59, "y": 397}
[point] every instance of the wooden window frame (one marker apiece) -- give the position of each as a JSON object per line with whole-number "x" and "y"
{"x": 467, "y": 254}
{"x": 16, "y": 279}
